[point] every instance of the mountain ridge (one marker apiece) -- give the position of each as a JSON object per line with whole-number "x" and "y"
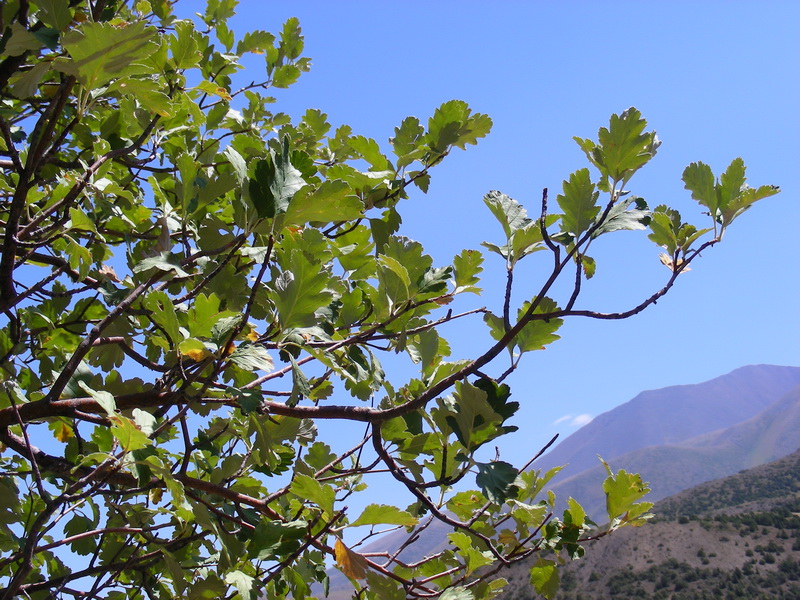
{"x": 670, "y": 468}
{"x": 734, "y": 397}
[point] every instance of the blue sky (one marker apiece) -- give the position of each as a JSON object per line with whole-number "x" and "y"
{"x": 716, "y": 80}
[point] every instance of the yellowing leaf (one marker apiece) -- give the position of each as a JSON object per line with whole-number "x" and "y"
{"x": 194, "y": 349}
{"x": 62, "y": 430}
{"x": 215, "y": 90}
{"x": 252, "y": 336}
{"x": 197, "y": 355}
{"x": 352, "y": 564}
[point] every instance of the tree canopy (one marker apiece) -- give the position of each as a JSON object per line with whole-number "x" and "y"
{"x": 192, "y": 280}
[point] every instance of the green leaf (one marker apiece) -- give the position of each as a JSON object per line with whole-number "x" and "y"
{"x": 538, "y": 333}
{"x": 146, "y": 92}
{"x": 238, "y": 164}
{"x": 382, "y": 514}
{"x": 252, "y": 357}
{"x": 20, "y": 41}
{"x": 699, "y": 180}
{"x": 166, "y": 261}
{"x": 472, "y": 556}
{"x": 249, "y": 400}
{"x": 456, "y": 593}
{"x": 331, "y": 201}
{"x": 55, "y": 13}
{"x": 300, "y": 291}
{"x": 255, "y": 41}
{"x": 101, "y": 52}
{"x": 130, "y": 437}
{"x": 369, "y": 150}
{"x": 623, "y": 494}
{"x": 204, "y": 315}
{"x": 471, "y": 417}
{"x": 579, "y": 203}
{"x": 394, "y": 279}
{"x": 292, "y": 42}
{"x": 577, "y": 515}
{"x": 301, "y": 387}
{"x": 183, "y": 43}
{"x": 308, "y": 488}
{"x": 622, "y": 148}
{"x": 497, "y": 396}
{"x": 497, "y": 480}
{"x": 544, "y": 577}
{"x": 629, "y": 214}
{"x": 507, "y": 211}
{"x": 407, "y": 141}
{"x": 26, "y": 84}
{"x": 272, "y": 539}
{"x": 163, "y": 313}
{"x": 244, "y": 584}
{"x": 525, "y": 241}
{"x": 144, "y": 421}
{"x": 285, "y": 75}
{"x": 466, "y": 267}
{"x": 106, "y": 401}
{"x": 735, "y": 196}
{"x": 428, "y": 349}
{"x": 383, "y": 587}
{"x": 731, "y": 183}
{"x": 275, "y": 182}
{"x": 453, "y": 124}
{"x": 76, "y": 525}
{"x": 730, "y": 197}
{"x": 211, "y": 88}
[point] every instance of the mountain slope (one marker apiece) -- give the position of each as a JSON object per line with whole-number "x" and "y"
{"x": 769, "y": 435}
{"x": 671, "y": 415}
{"x": 736, "y": 538}
{"x": 676, "y": 437}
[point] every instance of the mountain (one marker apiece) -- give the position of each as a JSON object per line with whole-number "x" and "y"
{"x": 676, "y": 437}
{"x": 673, "y": 414}
{"x": 671, "y": 467}
{"x": 736, "y": 538}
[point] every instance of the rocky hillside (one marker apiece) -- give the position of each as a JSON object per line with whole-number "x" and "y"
{"x": 734, "y": 538}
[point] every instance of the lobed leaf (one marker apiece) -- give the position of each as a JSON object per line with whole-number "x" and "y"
{"x": 579, "y": 203}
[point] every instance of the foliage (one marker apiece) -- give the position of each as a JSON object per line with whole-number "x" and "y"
{"x": 191, "y": 281}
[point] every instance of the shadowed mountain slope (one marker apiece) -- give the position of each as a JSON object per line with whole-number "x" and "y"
{"x": 735, "y": 538}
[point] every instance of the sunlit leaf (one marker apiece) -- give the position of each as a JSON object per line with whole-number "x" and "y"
{"x": 382, "y": 514}
{"x": 544, "y": 577}
{"x": 100, "y": 52}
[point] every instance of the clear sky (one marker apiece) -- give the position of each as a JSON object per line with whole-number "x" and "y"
{"x": 716, "y": 80}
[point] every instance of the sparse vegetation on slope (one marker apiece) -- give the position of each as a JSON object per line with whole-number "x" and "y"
{"x": 734, "y": 538}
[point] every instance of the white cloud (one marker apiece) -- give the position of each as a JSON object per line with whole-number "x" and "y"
{"x": 581, "y": 420}
{"x": 574, "y": 420}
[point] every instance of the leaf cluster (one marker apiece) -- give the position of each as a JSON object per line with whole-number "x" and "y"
{"x": 191, "y": 280}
